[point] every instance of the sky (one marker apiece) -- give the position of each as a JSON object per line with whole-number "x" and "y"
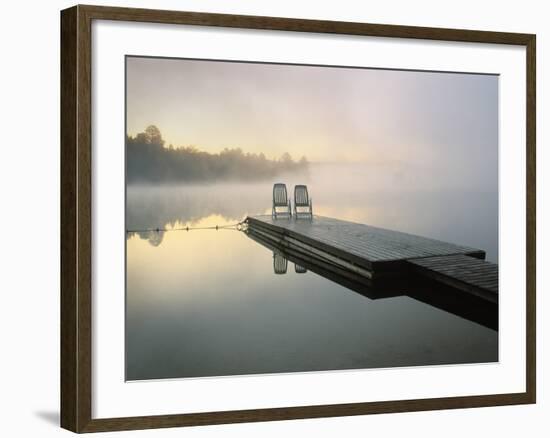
{"x": 328, "y": 114}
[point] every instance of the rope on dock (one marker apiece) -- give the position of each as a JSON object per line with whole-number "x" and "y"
{"x": 238, "y": 226}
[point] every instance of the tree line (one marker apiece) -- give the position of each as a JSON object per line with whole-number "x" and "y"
{"x": 149, "y": 161}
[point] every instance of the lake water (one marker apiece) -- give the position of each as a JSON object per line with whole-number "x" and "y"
{"x": 208, "y": 303}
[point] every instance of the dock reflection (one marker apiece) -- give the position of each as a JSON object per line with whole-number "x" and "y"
{"x": 414, "y": 286}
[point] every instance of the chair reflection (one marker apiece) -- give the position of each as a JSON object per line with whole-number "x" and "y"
{"x": 280, "y": 263}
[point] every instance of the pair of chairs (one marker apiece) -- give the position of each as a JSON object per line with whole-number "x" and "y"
{"x": 282, "y": 206}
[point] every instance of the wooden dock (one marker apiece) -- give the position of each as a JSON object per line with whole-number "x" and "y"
{"x": 378, "y": 254}
{"x": 468, "y": 274}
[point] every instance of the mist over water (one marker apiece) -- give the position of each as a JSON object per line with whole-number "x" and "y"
{"x": 383, "y": 196}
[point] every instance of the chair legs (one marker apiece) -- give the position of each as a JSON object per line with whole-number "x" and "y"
{"x": 304, "y": 214}
{"x": 287, "y": 213}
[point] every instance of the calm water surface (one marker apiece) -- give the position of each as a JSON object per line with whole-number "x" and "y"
{"x": 207, "y": 303}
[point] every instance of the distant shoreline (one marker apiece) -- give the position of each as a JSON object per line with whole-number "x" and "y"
{"x": 149, "y": 161}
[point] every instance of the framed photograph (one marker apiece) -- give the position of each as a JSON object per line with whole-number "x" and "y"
{"x": 270, "y": 218}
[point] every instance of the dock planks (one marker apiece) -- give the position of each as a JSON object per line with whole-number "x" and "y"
{"x": 471, "y": 275}
{"x": 370, "y": 246}
{"x": 379, "y": 253}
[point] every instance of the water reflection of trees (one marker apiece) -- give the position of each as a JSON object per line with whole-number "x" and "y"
{"x": 153, "y": 237}
{"x": 152, "y": 207}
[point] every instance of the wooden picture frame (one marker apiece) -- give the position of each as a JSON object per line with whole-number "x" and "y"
{"x": 76, "y": 217}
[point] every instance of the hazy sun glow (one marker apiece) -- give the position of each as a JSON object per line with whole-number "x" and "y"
{"x": 325, "y": 113}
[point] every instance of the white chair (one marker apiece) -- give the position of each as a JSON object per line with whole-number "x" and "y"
{"x": 281, "y": 203}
